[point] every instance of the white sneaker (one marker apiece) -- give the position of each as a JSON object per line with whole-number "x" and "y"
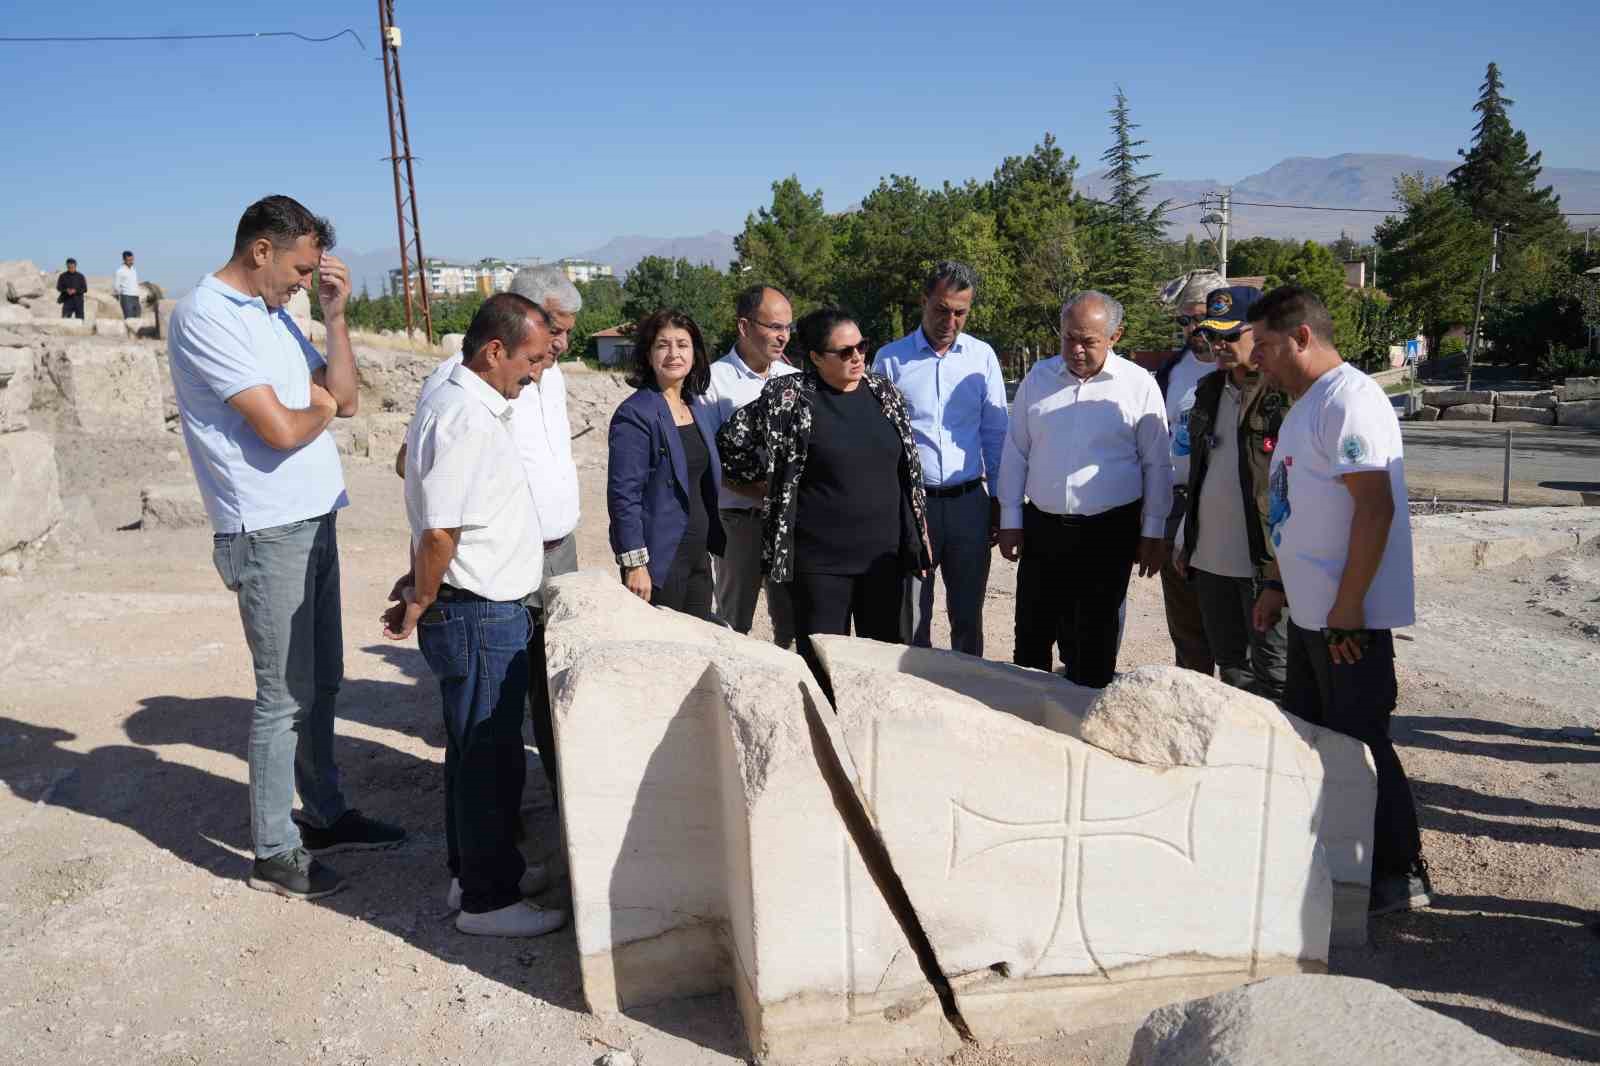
{"x": 535, "y": 879}
{"x": 519, "y": 919}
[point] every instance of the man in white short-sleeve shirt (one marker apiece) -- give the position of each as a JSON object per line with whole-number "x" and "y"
{"x": 1341, "y": 528}
{"x": 475, "y": 560}
{"x": 255, "y": 400}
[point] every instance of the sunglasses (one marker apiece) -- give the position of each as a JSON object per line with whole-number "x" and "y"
{"x": 1226, "y": 338}
{"x": 1189, "y": 320}
{"x": 849, "y": 351}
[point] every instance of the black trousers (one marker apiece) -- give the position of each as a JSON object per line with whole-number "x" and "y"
{"x": 1358, "y": 699}
{"x": 688, "y": 585}
{"x": 72, "y": 307}
{"x": 1071, "y": 580}
{"x": 829, "y": 603}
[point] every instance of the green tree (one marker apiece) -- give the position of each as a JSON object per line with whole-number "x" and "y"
{"x": 885, "y": 250}
{"x": 1031, "y": 197}
{"x": 788, "y": 245}
{"x": 602, "y": 309}
{"x": 1259, "y": 257}
{"x": 1432, "y": 255}
{"x": 700, "y": 291}
{"x": 1498, "y": 178}
{"x": 974, "y": 239}
{"x": 1312, "y": 266}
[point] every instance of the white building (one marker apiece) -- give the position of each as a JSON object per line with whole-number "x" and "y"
{"x": 584, "y": 269}
{"x": 484, "y": 277}
{"x": 613, "y": 347}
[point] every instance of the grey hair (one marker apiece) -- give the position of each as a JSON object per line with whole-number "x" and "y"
{"x": 543, "y": 283}
{"x": 958, "y": 276}
{"x": 1113, "y": 308}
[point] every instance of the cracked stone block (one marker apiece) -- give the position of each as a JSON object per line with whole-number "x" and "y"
{"x": 1426, "y": 413}
{"x": 176, "y": 505}
{"x": 112, "y": 389}
{"x": 30, "y": 488}
{"x": 1456, "y": 397}
{"x": 1469, "y": 412}
{"x": 1581, "y": 389}
{"x": 1543, "y": 400}
{"x": 1533, "y": 415}
{"x": 16, "y": 388}
{"x": 1076, "y": 857}
{"x": 1582, "y": 413}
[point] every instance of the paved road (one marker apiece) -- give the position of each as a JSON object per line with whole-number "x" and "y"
{"x": 1465, "y": 461}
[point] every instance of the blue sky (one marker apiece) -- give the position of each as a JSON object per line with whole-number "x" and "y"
{"x": 546, "y": 130}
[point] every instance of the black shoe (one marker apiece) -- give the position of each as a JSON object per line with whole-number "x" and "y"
{"x": 352, "y": 832}
{"x": 294, "y": 874}
{"x": 1401, "y": 892}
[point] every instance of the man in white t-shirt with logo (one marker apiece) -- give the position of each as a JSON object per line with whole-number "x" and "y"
{"x": 1341, "y": 528}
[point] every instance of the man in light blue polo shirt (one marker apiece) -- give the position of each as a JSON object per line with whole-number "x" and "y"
{"x": 256, "y": 400}
{"x": 952, "y": 384}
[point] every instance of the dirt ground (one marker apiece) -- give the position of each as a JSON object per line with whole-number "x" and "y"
{"x": 127, "y": 933}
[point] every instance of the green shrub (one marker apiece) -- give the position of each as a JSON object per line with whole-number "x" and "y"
{"x": 1452, "y": 346}
{"x": 1568, "y": 362}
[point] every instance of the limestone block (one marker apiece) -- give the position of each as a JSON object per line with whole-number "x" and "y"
{"x": 1582, "y": 389}
{"x": 16, "y": 388}
{"x": 30, "y": 488}
{"x": 1076, "y": 857}
{"x": 1534, "y": 415}
{"x": 299, "y": 309}
{"x": 79, "y": 523}
{"x": 1426, "y": 413}
{"x": 351, "y": 435}
{"x": 1544, "y": 400}
{"x": 710, "y": 853}
{"x": 108, "y": 388}
{"x": 65, "y": 327}
{"x": 451, "y": 342}
{"x": 175, "y": 505}
{"x": 1455, "y": 397}
{"x": 1582, "y": 413}
{"x": 21, "y": 281}
{"x": 1311, "y": 1021}
{"x": 164, "y": 315}
{"x": 385, "y": 433}
{"x": 1469, "y": 412}
{"x": 391, "y": 381}
{"x": 14, "y": 315}
{"x": 110, "y": 327}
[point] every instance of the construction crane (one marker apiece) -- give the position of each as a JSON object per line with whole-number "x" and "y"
{"x": 406, "y": 217}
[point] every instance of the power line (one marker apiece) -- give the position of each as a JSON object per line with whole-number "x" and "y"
{"x": 1371, "y": 210}
{"x": 185, "y": 37}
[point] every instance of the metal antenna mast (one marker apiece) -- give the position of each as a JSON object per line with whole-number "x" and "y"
{"x": 405, "y": 186}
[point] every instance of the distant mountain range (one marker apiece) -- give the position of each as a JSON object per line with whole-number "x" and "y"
{"x": 1350, "y": 180}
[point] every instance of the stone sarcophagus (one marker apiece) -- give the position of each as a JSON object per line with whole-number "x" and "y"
{"x": 950, "y": 849}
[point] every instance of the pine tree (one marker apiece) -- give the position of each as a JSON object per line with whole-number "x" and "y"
{"x": 789, "y": 245}
{"x": 1432, "y": 255}
{"x": 1498, "y": 177}
{"x": 1123, "y": 237}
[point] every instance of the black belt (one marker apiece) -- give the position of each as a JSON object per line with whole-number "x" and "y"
{"x": 451, "y": 594}
{"x": 944, "y": 492}
{"x": 1084, "y": 519}
{"x": 552, "y": 545}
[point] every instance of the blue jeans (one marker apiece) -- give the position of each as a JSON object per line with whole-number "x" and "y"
{"x": 287, "y": 581}
{"x": 958, "y": 529}
{"x": 479, "y": 652}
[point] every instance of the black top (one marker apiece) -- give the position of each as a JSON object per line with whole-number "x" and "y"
{"x": 848, "y": 513}
{"x": 71, "y": 279}
{"x": 697, "y": 460}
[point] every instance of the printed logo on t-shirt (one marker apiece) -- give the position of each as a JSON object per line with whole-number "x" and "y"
{"x": 1354, "y": 448}
{"x": 1278, "y": 500}
{"x": 1180, "y": 430}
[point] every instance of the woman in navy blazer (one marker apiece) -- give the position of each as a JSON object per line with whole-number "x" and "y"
{"x": 663, "y": 474}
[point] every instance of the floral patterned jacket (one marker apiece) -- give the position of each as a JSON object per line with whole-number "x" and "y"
{"x": 769, "y": 438}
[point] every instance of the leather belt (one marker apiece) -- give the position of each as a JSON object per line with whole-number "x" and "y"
{"x": 451, "y": 594}
{"x": 946, "y": 492}
{"x": 551, "y": 545}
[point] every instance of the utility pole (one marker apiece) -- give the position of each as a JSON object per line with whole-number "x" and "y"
{"x": 405, "y": 185}
{"x": 1477, "y": 316}
{"x": 1222, "y": 247}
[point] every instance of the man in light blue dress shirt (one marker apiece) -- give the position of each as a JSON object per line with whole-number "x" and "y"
{"x": 957, "y": 398}
{"x": 256, "y": 400}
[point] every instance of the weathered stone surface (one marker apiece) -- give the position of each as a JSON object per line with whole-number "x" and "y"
{"x": 299, "y": 309}
{"x": 1581, "y": 389}
{"x": 1534, "y": 415}
{"x": 21, "y": 281}
{"x": 1426, "y": 413}
{"x": 16, "y": 388}
{"x": 14, "y": 315}
{"x": 110, "y": 327}
{"x": 391, "y": 381}
{"x": 79, "y": 523}
{"x": 385, "y": 433}
{"x": 1454, "y": 543}
{"x": 1455, "y": 397}
{"x": 175, "y": 505}
{"x": 451, "y": 342}
{"x": 1469, "y": 412}
{"x": 1310, "y": 1021}
{"x": 1544, "y": 400}
{"x": 106, "y": 388}
{"x": 1584, "y": 414}
{"x": 30, "y": 489}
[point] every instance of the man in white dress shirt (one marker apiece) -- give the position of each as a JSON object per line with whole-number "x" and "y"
{"x": 544, "y": 442}
{"x": 1088, "y": 446}
{"x": 765, "y": 321}
{"x": 126, "y": 283}
{"x": 476, "y": 557}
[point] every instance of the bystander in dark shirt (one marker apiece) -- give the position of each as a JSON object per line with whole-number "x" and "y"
{"x": 848, "y": 515}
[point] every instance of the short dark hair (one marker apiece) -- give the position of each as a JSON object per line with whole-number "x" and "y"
{"x": 749, "y": 301}
{"x": 642, "y": 376}
{"x": 502, "y": 317}
{"x": 959, "y": 276}
{"x": 71, "y": 261}
{"x": 126, "y": 253}
{"x": 814, "y": 329}
{"x": 1288, "y": 307}
{"x": 282, "y": 220}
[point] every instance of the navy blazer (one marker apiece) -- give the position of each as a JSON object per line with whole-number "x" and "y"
{"x": 647, "y": 495}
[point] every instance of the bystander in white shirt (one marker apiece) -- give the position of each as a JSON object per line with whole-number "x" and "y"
{"x": 734, "y": 384}
{"x": 127, "y": 281}
{"x": 1084, "y": 447}
{"x": 1344, "y": 424}
{"x": 544, "y": 441}
{"x": 463, "y": 472}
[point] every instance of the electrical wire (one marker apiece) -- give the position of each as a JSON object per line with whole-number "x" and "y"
{"x": 186, "y": 37}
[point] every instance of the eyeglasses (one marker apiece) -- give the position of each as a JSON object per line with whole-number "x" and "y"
{"x": 1226, "y": 338}
{"x": 1190, "y": 320}
{"x": 773, "y": 327}
{"x": 849, "y": 351}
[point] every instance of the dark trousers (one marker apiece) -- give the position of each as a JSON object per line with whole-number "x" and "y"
{"x": 688, "y": 586}
{"x": 958, "y": 533}
{"x": 1248, "y": 658}
{"x": 1357, "y": 699}
{"x": 72, "y": 307}
{"x": 562, "y": 559}
{"x": 130, "y": 306}
{"x": 1071, "y": 581}
{"x": 829, "y": 603}
{"x": 1184, "y": 622}
{"x": 479, "y": 652}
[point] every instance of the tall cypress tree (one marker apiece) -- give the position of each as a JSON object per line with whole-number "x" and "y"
{"x": 1498, "y": 178}
{"x": 1123, "y": 236}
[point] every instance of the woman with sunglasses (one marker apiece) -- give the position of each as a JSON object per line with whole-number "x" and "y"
{"x": 845, "y": 515}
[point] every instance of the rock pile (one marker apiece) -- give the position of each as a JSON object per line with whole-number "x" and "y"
{"x": 30, "y": 486}
{"x": 28, "y": 298}
{"x": 1576, "y": 403}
